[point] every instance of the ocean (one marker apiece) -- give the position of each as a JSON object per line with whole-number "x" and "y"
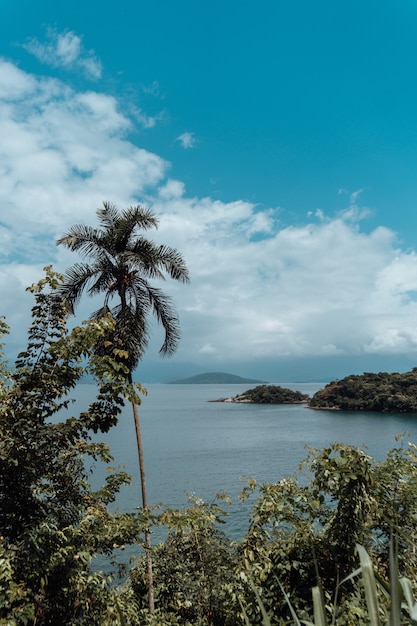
{"x": 192, "y": 445}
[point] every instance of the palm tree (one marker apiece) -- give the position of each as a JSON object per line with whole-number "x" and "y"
{"x": 122, "y": 264}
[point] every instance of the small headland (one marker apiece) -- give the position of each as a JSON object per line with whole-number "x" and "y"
{"x": 383, "y": 393}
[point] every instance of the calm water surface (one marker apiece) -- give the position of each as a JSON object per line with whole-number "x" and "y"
{"x": 193, "y": 445}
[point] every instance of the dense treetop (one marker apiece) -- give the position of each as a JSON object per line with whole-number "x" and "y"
{"x": 382, "y": 392}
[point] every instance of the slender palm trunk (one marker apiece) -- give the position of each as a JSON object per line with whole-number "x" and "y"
{"x": 149, "y": 574}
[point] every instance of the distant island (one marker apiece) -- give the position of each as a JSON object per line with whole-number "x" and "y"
{"x": 269, "y": 394}
{"x": 214, "y": 378}
{"x": 383, "y": 392}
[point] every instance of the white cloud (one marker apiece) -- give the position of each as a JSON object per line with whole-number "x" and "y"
{"x": 62, "y": 153}
{"x": 173, "y": 189}
{"x": 258, "y": 290}
{"x": 312, "y": 290}
{"x": 65, "y": 50}
{"x": 14, "y": 83}
{"x": 187, "y": 140}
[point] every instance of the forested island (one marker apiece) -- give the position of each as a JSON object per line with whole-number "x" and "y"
{"x": 382, "y": 392}
{"x": 269, "y": 394}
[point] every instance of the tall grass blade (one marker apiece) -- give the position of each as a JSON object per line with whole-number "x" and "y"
{"x": 265, "y": 617}
{"x": 318, "y": 607}
{"x": 287, "y": 600}
{"x": 245, "y": 615}
{"x": 370, "y": 586}
{"x": 395, "y": 613}
{"x": 409, "y": 598}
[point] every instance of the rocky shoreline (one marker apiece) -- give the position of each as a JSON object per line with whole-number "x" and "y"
{"x": 246, "y": 400}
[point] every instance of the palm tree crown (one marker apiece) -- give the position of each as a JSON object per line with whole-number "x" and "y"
{"x": 122, "y": 263}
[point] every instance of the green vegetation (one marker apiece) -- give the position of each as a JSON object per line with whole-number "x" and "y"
{"x": 272, "y": 394}
{"x": 195, "y": 568}
{"x": 300, "y": 555}
{"x": 305, "y": 535}
{"x": 336, "y": 544}
{"x": 210, "y": 378}
{"x": 52, "y": 523}
{"x": 381, "y": 392}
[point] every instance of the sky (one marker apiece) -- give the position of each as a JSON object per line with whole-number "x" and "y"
{"x": 275, "y": 141}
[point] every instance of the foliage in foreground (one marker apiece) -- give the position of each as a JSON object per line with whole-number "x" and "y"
{"x": 303, "y": 535}
{"x": 194, "y": 567}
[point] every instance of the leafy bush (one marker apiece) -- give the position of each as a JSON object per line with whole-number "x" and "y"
{"x": 194, "y": 568}
{"x": 304, "y": 534}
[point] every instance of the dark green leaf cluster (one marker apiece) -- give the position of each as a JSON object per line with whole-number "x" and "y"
{"x": 382, "y": 392}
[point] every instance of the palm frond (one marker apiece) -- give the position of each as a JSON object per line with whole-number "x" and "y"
{"x": 76, "y": 280}
{"x": 105, "y": 279}
{"x": 101, "y": 312}
{"x": 174, "y": 264}
{"x": 129, "y": 221}
{"x": 166, "y": 315}
{"x": 145, "y": 219}
{"x": 83, "y": 239}
{"x": 132, "y": 332}
{"x": 108, "y": 215}
{"x": 144, "y": 256}
{"x": 154, "y": 260}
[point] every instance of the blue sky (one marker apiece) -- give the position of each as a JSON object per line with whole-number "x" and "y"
{"x": 276, "y": 142}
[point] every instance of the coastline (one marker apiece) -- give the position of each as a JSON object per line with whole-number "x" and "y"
{"x": 245, "y": 400}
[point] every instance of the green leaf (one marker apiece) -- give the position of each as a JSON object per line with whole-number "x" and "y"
{"x": 369, "y": 585}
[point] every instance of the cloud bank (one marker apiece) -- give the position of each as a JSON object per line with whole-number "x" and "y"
{"x": 260, "y": 288}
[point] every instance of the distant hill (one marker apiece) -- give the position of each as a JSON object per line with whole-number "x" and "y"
{"x": 214, "y": 378}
